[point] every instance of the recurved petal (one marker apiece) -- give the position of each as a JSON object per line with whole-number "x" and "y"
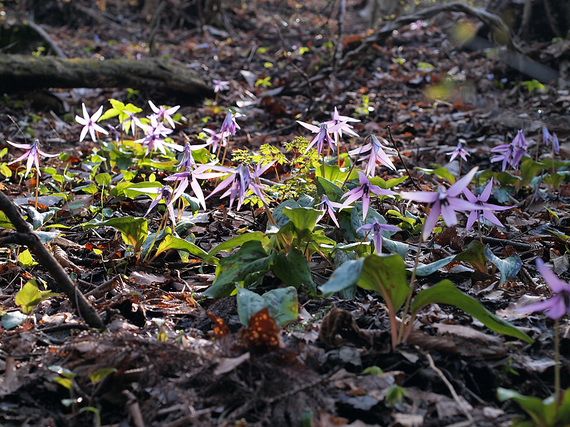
{"x": 552, "y": 280}
{"x": 419, "y": 196}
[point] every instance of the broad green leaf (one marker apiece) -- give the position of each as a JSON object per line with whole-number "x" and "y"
{"x": 344, "y": 277}
{"x": 293, "y": 269}
{"x": 395, "y": 181}
{"x": 427, "y": 269}
{"x": 508, "y": 267}
{"x": 282, "y": 304}
{"x": 250, "y": 259}
{"x": 5, "y": 170}
{"x": 30, "y": 296}
{"x": 386, "y": 274}
{"x": 12, "y": 319}
{"x": 64, "y": 382}
{"x": 554, "y": 179}
{"x": 172, "y": 242}
{"x": 446, "y": 293}
{"x": 152, "y": 239}
{"x": 5, "y": 222}
{"x": 335, "y": 174}
{"x": 132, "y": 189}
{"x": 304, "y": 219}
{"x": 133, "y": 230}
{"x": 530, "y": 169}
{"x": 543, "y": 412}
{"x": 235, "y": 242}
{"x": 395, "y": 247}
{"x": 25, "y": 259}
{"x": 474, "y": 255}
{"x": 331, "y": 190}
{"x": 280, "y": 218}
{"x": 103, "y": 178}
{"x": 38, "y": 218}
{"x": 101, "y": 373}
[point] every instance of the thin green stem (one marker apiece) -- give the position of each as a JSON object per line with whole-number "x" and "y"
{"x": 557, "y": 361}
{"x": 479, "y": 228}
{"x": 37, "y": 187}
{"x": 409, "y": 297}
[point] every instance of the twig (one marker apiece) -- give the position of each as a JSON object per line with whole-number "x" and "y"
{"x": 460, "y": 403}
{"x": 45, "y": 36}
{"x": 24, "y": 235}
{"x": 505, "y": 242}
{"x": 402, "y": 160}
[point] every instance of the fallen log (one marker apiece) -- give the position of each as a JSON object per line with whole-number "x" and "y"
{"x": 24, "y": 73}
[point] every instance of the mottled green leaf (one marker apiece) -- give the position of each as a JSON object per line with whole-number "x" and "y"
{"x": 282, "y": 304}
{"x": 508, "y": 267}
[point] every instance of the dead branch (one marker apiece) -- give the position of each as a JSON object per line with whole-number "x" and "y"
{"x": 25, "y": 73}
{"x": 24, "y": 235}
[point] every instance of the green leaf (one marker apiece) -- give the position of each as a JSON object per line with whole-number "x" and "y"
{"x": 331, "y": 190}
{"x": 282, "y": 304}
{"x": 446, "y": 293}
{"x": 250, "y": 259}
{"x": 235, "y": 242}
{"x": 133, "y": 230}
{"x": 395, "y": 247}
{"x": 543, "y": 412}
{"x": 38, "y": 218}
{"x": 474, "y": 255}
{"x": 64, "y": 382}
{"x": 530, "y": 169}
{"x": 103, "y": 178}
{"x": 508, "y": 267}
{"x": 25, "y": 259}
{"x": 12, "y": 319}
{"x": 293, "y": 269}
{"x": 5, "y": 170}
{"x": 427, "y": 269}
{"x": 554, "y": 179}
{"x": 172, "y": 242}
{"x": 132, "y": 190}
{"x": 30, "y": 296}
{"x": 100, "y": 374}
{"x": 344, "y": 277}
{"x": 304, "y": 219}
{"x": 386, "y": 274}
{"x": 280, "y": 218}
{"x": 5, "y": 222}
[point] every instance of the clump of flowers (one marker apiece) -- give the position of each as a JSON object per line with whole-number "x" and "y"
{"x": 511, "y": 154}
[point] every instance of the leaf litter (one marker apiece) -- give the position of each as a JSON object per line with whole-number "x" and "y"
{"x": 183, "y": 359}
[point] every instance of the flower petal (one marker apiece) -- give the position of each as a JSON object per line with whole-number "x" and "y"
{"x": 552, "y": 280}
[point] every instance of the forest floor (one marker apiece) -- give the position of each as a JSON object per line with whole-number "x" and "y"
{"x": 162, "y": 360}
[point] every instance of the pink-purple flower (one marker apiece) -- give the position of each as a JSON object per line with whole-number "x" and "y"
{"x": 90, "y": 123}
{"x": 547, "y": 138}
{"x": 459, "y": 151}
{"x": 32, "y": 153}
{"x": 220, "y": 85}
{"x": 166, "y": 194}
{"x": 328, "y": 206}
{"x": 363, "y": 192}
{"x": 155, "y": 132}
{"x": 163, "y": 113}
{"x": 229, "y": 126}
{"x": 444, "y": 202}
{"x": 511, "y": 154}
{"x": 485, "y": 209}
{"x": 559, "y": 304}
{"x": 339, "y": 123}
{"x": 377, "y": 227}
{"x": 241, "y": 180}
{"x": 376, "y": 155}
{"x": 322, "y": 135}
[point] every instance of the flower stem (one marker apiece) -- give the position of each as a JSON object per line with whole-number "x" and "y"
{"x": 557, "y": 361}
{"x": 37, "y": 188}
{"x": 409, "y": 297}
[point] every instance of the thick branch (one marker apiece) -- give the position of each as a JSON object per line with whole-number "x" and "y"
{"x": 22, "y": 72}
{"x": 25, "y": 236}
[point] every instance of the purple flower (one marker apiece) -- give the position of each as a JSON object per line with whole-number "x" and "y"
{"x": 322, "y": 136}
{"x": 445, "y": 202}
{"x": 229, "y": 126}
{"x": 485, "y": 209}
{"x": 364, "y": 192}
{"x": 163, "y": 113}
{"x": 166, "y": 194}
{"x": 339, "y": 123}
{"x": 32, "y": 153}
{"x": 188, "y": 177}
{"x": 459, "y": 151}
{"x": 559, "y": 304}
{"x": 220, "y": 85}
{"x": 328, "y": 206}
{"x": 214, "y": 139}
{"x": 239, "y": 182}
{"x": 155, "y": 133}
{"x": 377, "y": 154}
{"x": 376, "y": 227}
{"x": 90, "y": 123}
{"x": 547, "y": 138}
{"x": 511, "y": 154}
